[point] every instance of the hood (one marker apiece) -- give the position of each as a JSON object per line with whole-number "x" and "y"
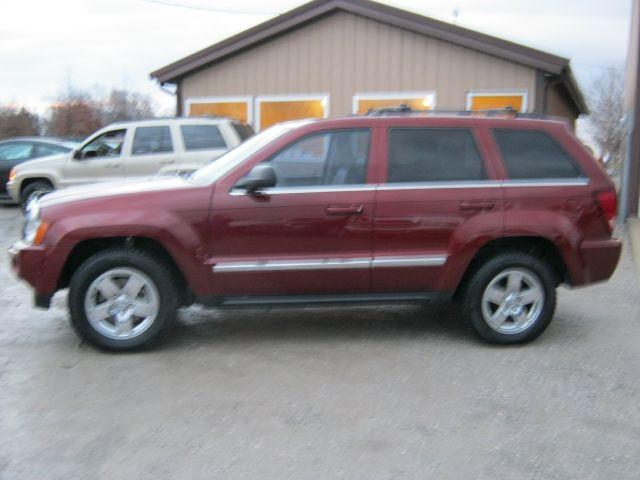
{"x": 37, "y": 162}
{"x": 108, "y": 189}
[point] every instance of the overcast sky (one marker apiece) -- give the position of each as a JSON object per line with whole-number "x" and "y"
{"x": 106, "y": 43}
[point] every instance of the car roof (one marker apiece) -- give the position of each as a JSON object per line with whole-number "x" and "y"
{"x": 164, "y": 120}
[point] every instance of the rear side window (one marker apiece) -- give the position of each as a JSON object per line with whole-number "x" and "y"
{"x": 529, "y": 154}
{"x": 152, "y": 140}
{"x": 46, "y": 150}
{"x": 433, "y": 155}
{"x": 243, "y": 130}
{"x": 202, "y": 137}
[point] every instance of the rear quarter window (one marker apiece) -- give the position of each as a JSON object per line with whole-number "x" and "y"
{"x": 243, "y": 130}
{"x": 534, "y": 155}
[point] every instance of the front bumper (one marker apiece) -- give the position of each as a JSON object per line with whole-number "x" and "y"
{"x": 11, "y": 191}
{"x": 40, "y": 266}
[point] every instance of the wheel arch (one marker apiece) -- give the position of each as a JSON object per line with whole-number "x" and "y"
{"x": 539, "y": 246}
{"x": 86, "y": 248}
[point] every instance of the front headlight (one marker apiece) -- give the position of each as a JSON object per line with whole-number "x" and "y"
{"x": 12, "y": 174}
{"x": 34, "y": 228}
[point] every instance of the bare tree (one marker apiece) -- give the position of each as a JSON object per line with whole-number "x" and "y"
{"x": 77, "y": 113}
{"x": 74, "y": 114}
{"x": 124, "y": 105}
{"x": 18, "y": 122}
{"x": 606, "y": 118}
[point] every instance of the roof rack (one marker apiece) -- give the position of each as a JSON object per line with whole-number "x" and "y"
{"x": 405, "y": 110}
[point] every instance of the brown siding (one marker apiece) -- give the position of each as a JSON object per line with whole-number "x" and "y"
{"x": 344, "y": 53}
{"x": 558, "y": 103}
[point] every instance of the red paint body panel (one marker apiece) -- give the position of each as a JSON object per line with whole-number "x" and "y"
{"x": 202, "y": 227}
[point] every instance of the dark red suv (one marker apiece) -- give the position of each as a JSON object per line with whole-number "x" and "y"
{"x": 495, "y": 212}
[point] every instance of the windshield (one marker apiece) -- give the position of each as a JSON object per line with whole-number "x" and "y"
{"x": 214, "y": 170}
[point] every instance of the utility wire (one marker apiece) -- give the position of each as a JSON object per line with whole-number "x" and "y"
{"x": 216, "y": 10}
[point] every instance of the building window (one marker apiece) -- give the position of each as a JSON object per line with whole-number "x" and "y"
{"x": 363, "y": 102}
{"x": 497, "y": 100}
{"x": 279, "y": 108}
{"x": 238, "y": 108}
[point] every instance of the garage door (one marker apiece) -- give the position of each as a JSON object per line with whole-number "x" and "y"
{"x": 276, "y": 110}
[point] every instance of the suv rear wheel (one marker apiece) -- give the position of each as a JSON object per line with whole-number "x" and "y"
{"x": 511, "y": 298}
{"x": 122, "y": 299}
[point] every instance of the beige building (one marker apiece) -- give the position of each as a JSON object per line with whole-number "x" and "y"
{"x": 338, "y": 57}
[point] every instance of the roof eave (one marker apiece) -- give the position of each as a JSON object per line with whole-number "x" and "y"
{"x": 383, "y": 13}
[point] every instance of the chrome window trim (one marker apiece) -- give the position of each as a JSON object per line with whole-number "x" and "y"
{"x": 547, "y": 182}
{"x": 331, "y": 263}
{"x": 563, "y": 182}
{"x": 440, "y": 185}
{"x": 319, "y": 189}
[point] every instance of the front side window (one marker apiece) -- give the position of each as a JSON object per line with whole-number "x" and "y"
{"x": 331, "y": 158}
{"x": 109, "y": 144}
{"x": 202, "y": 137}
{"x": 15, "y": 151}
{"x": 433, "y": 155}
{"x": 149, "y": 140}
{"x": 534, "y": 155}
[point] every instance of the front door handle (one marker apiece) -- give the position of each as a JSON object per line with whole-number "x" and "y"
{"x": 112, "y": 165}
{"x": 344, "y": 209}
{"x": 167, "y": 162}
{"x": 477, "y": 205}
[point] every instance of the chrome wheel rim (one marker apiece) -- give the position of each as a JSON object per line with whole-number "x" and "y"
{"x": 122, "y": 303}
{"x": 513, "y": 301}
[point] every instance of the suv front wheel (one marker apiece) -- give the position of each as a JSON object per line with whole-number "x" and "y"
{"x": 122, "y": 299}
{"x": 511, "y": 298}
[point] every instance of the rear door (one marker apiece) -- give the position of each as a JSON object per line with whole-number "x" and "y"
{"x": 151, "y": 150}
{"x": 12, "y": 153}
{"x": 438, "y": 197}
{"x": 202, "y": 143}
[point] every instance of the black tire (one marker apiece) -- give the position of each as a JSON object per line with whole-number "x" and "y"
{"x": 472, "y": 297}
{"x": 35, "y": 189}
{"x": 128, "y": 258}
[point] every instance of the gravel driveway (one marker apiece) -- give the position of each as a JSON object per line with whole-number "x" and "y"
{"x": 356, "y": 393}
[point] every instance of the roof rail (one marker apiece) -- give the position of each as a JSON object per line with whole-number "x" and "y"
{"x": 405, "y": 110}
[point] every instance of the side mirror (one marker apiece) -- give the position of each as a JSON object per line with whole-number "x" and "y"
{"x": 261, "y": 176}
{"x": 77, "y": 154}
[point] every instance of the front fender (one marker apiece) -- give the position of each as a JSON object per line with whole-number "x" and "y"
{"x": 179, "y": 237}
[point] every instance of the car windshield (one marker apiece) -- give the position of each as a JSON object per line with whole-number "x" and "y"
{"x": 214, "y": 170}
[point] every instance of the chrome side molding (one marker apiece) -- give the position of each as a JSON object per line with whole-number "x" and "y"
{"x": 332, "y": 263}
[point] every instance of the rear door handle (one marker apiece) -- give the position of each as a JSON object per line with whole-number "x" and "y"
{"x": 112, "y": 165}
{"x": 167, "y": 162}
{"x": 344, "y": 209}
{"x": 477, "y": 205}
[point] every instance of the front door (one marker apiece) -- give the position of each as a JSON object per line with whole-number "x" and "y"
{"x": 310, "y": 234}
{"x": 101, "y": 159}
{"x": 438, "y": 197}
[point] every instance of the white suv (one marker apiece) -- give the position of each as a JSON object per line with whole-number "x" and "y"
{"x": 130, "y": 149}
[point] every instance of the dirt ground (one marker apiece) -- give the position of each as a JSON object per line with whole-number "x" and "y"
{"x": 397, "y": 392}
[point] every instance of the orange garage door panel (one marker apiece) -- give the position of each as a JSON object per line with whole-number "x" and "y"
{"x": 497, "y": 102}
{"x": 364, "y": 105}
{"x": 236, "y": 110}
{"x": 272, "y": 112}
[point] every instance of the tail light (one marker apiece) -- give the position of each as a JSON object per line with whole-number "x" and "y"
{"x": 608, "y": 204}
